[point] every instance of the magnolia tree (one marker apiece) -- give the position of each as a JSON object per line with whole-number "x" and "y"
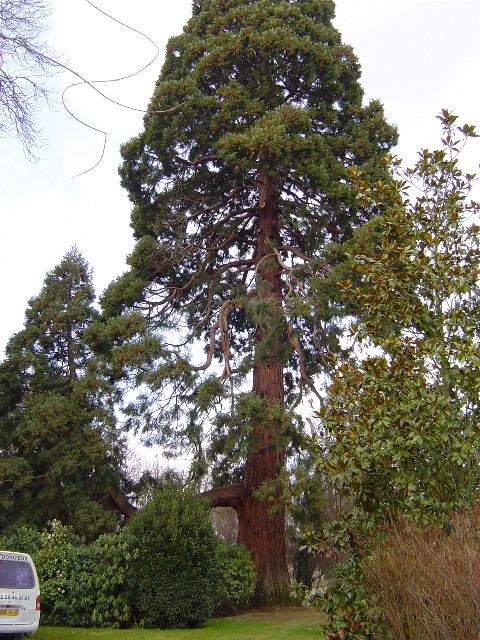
{"x": 238, "y": 183}
{"x": 400, "y": 434}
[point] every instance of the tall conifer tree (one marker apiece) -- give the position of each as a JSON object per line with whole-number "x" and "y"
{"x": 60, "y": 452}
{"x": 239, "y": 181}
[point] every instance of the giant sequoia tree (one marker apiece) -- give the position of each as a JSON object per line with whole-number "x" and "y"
{"x": 239, "y": 181}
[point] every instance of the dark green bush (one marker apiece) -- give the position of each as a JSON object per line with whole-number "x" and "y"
{"x": 96, "y": 588}
{"x": 236, "y": 571}
{"x": 173, "y": 580}
{"x": 108, "y": 582}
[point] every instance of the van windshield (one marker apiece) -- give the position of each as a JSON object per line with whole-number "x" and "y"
{"x": 16, "y": 574}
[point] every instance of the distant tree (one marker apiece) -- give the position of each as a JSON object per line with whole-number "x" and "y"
{"x": 236, "y": 194}
{"x": 60, "y": 449}
{"x": 401, "y": 433}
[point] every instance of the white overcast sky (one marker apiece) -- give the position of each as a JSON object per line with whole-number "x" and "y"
{"x": 417, "y": 56}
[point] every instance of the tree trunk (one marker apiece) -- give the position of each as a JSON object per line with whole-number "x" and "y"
{"x": 261, "y": 528}
{"x": 261, "y": 522}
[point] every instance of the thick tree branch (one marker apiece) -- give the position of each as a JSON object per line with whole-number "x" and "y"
{"x": 232, "y": 495}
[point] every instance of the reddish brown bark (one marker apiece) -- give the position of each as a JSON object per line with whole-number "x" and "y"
{"x": 261, "y": 527}
{"x": 261, "y": 523}
{"x": 232, "y": 496}
{"x": 117, "y": 504}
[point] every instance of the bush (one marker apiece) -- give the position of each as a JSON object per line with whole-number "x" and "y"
{"x": 54, "y": 552}
{"x": 95, "y": 593}
{"x": 426, "y": 583}
{"x": 81, "y": 585}
{"x": 108, "y": 580}
{"x": 26, "y": 539}
{"x": 173, "y": 581}
{"x": 236, "y": 571}
{"x": 177, "y": 571}
{"x": 56, "y": 562}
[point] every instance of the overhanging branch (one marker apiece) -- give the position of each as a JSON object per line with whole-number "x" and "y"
{"x": 233, "y": 495}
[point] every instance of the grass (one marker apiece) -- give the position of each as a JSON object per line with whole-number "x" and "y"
{"x": 274, "y": 624}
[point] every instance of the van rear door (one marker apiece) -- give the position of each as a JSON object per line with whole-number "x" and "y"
{"x": 18, "y": 589}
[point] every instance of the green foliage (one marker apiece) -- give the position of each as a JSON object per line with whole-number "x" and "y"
{"x": 307, "y": 509}
{"x": 61, "y": 451}
{"x": 96, "y": 593}
{"x": 166, "y": 569}
{"x": 248, "y": 90}
{"x": 82, "y": 585}
{"x": 96, "y": 584}
{"x": 113, "y": 553}
{"x": 236, "y": 577}
{"x": 233, "y": 440}
{"x": 173, "y": 578}
{"x": 26, "y": 539}
{"x": 57, "y": 561}
{"x": 400, "y": 426}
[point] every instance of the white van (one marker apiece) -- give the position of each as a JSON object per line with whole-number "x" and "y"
{"x": 19, "y": 595}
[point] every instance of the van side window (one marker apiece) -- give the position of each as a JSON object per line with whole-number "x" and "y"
{"x": 15, "y": 574}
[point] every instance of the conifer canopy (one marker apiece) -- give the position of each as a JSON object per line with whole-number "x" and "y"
{"x": 239, "y": 182}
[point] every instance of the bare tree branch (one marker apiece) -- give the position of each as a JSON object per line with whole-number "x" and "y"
{"x": 26, "y": 62}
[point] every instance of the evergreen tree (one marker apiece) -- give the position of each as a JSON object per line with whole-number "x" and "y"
{"x": 60, "y": 449}
{"x": 239, "y": 181}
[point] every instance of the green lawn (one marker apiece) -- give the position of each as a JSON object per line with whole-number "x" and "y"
{"x": 284, "y": 624}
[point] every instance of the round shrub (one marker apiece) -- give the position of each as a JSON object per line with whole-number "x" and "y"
{"x": 173, "y": 580}
{"x": 236, "y": 571}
